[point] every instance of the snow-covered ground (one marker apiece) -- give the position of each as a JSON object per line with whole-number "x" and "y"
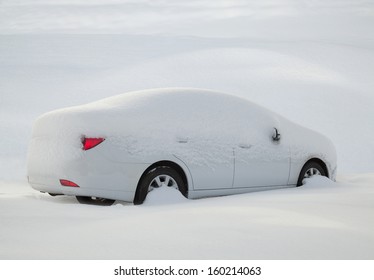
{"x": 322, "y": 220}
{"x": 311, "y": 61}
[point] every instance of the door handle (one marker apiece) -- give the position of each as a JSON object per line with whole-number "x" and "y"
{"x": 182, "y": 140}
{"x": 245, "y": 146}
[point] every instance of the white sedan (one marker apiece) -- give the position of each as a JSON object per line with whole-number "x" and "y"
{"x": 200, "y": 142}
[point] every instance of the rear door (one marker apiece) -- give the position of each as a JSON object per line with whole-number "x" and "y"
{"x": 211, "y": 164}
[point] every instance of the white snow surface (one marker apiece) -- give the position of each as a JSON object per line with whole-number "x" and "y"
{"x": 310, "y": 61}
{"x": 322, "y": 220}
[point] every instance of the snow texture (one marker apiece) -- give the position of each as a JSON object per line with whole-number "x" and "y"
{"x": 310, "y": 61}
{"x": 152, "y": 123}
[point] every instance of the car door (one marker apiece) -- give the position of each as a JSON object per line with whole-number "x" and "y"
{"x": 262, "y": 161}
{"x": 211, "y": 164}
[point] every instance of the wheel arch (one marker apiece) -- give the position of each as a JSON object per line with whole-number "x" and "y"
{"x": 167, "y": 163}
{"x": 320, "y": 162}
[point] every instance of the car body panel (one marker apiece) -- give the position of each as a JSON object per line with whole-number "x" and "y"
{"x": 257, "y": 162}
{"x": 210, "y": 175}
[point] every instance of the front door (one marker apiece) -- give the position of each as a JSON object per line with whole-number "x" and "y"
{"x": 262, "y": 164}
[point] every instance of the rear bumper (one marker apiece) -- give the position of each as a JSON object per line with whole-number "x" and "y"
{"x": 127, "y": 196}
{"x": 118, "y": 184}
{"x": 45, "y": 185}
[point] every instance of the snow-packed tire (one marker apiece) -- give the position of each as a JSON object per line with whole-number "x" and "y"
{"x": 158, "y": 177}
{"x": 310, "y": 169}
{"x": 95, "y": 200}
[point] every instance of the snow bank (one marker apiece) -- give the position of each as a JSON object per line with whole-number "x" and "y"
{"x": 236, "y": 18}
{"x": 321, "y": 220}
{"x": 164, "y": 196}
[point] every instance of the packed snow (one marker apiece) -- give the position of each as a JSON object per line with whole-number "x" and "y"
{"x": 310, "y": 61}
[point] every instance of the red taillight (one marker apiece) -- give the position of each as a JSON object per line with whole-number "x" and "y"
{"x": 89, "y": 143}
{"x": 68, "y": 183}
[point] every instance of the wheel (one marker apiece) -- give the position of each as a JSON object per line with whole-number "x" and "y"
{"x": 310, "y": 169}
{"x": 159, "y": 177}
{"x": 95, "y": 200}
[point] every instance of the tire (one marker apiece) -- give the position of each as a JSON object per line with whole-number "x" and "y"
{"x": 157, "y": 177}
{"x": 310, "y": 169}
{"x": 95, "y": 200}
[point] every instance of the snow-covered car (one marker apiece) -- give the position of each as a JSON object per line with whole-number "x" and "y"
{"x": 201, "y": 142}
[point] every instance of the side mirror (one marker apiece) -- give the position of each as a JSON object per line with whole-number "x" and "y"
{"x": 276, "y": 135}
